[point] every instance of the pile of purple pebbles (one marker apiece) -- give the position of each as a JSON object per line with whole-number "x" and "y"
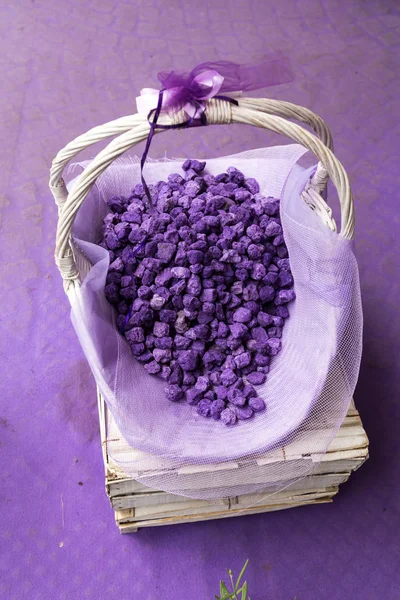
{"x": 201, "y": 285}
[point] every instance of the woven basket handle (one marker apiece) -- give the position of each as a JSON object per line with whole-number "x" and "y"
{"x": 218, "y": 112}
{"x": 280, "y": 108}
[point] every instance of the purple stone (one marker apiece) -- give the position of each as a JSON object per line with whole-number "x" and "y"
{"x": 242, "y": 274}
{"x": 284, "y": 296}
{"x": 163, "y": 343}
{"x": 149, "y": 343}
{"x": 135, "y": 335}
{"x": 165, "y": 252}
{"x": 176, "y": 375}
{"x": 238, "y": 330}
{"x": 228, "y": 416}
{"x": 195, "y": 256}
{"x": 204, "y": 318}
{"x": 152, "y": 367}
{"x": 164, "y": 277}
{"x": 145, "y": 357}
{"x": 174, "y": 393}
{"x": 284, "y": 264}
{"x": 115, "y": 277}
{"x": 257, "y": 404}
{"x": 223, "y": 330}
{"x": 117, "y": 265}
{"x": 271, "y": 207}
{"x": 267, "y": 293}
{"x": 160, "y": 329}
{"x": 178, "y": 287}
{"x": 285, "y": 278}
{"x": 191, "y": 302}
{"x": 215, "y": 377}
{"x": 242, "y": 315}
{"x": 198, "y": 346}
{"x": 202, "y": 383}
{"x": 137, "y": 349}
{"x": 162, "y": 355}
{"x": 259, "y": 334}
{"x": 209, "y": 295}
{"x": 264, "y": 319}
{"x": 273, "y": 229}
{"x": 212, "y": 358}
{"x": 233, "y": 343}
{"x": 241, "y": 195}
{"x": 165, "y": 372}
{"x": 189, "y": 379}
{"x": 221, "y": 392}
{"x": 258, "y": 272}
{"x": 282, "y": 311}
{"x": 261, "y": 360}
{"x": 193, "y": 396}
{"x": 157, "y": 302}
{"x": 228, "y": 377}
{"x": 249, "y": 391}
{"x": 168, "y": 316}
{"x": 208, "y": 308}
{"x": 255, "y": 233}
{"x": 112, "y": 293}
{"x": 194, "y": 285}
{"x": 144, "y": 292}
{"x": 243, "y": 412}
{"x": 181, "y": 342}
{"x": 197, "y": 165}
{"x": 112, "y": 240}
{"x": 188, "y": 360}
{"x": 236, "y": 397}
{"x": 254, "y": 307}
{"x": 274, "y": 346}
{"x": 271, "y": 278}
{"x": 202, "y": 332}
{"x": 256, "y": 378}
{"x": 116, "y": 204}
{"x": 252, "y": 185}
{"x": 253, "y": 252}
{"x": 279, "y": 241}
{"x": 250, "y": 292}
{"x": 204, "y": 407}
{"x": 216, "y": 408}
{"x": 242, "y": 360}
{"x": 180, "y": 272}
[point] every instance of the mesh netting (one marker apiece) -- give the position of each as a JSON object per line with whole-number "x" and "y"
{"x": 311, "y": 381}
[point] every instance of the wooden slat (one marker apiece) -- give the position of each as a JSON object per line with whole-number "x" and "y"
{"x": 138, "y": 506}
{"x": 130, "y": 527}
{"x": 154, "y": 498}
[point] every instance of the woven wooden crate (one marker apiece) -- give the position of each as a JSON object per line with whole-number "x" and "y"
{"x": 136, "y": 506}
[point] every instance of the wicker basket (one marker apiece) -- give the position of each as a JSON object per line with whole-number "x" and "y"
{"x": 73, "y": 266}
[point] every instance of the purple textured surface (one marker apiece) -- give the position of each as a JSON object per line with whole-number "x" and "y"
{"x": 68, "y": 66}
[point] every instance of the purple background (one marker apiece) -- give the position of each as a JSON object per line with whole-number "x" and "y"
{"x": 69, "y": 65}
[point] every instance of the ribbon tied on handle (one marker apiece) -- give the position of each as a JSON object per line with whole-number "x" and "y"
{"x": 190, "y": 92}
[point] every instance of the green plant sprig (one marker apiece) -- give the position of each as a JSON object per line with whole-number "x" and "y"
{"x": 237, "y": 593}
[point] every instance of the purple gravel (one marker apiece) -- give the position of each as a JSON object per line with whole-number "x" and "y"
{"x": 203, "y": 299}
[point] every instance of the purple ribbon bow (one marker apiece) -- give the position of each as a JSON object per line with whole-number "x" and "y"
{"x": 190, "y": 91}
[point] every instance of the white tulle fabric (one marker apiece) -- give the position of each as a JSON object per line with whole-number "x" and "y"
{"x": 310, "y": 383}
